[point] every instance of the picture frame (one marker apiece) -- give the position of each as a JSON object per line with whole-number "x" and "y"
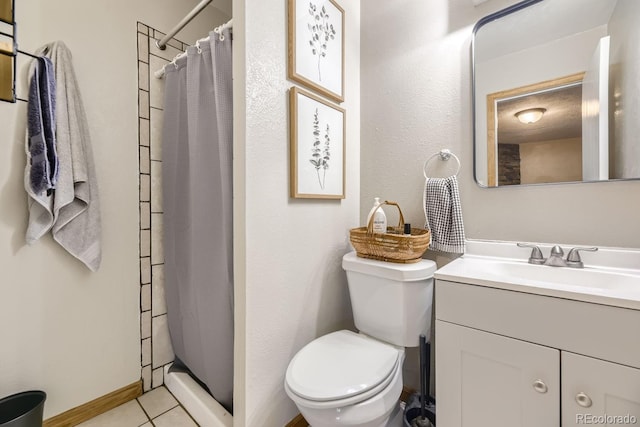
{"x": 317, "y": 147}
{"x": 7, "y": 11}
{"x": 316, "y": 46}
{"x": 7, "y": 53}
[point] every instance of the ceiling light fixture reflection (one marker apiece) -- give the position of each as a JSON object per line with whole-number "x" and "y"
{"x": 530, "y": 115}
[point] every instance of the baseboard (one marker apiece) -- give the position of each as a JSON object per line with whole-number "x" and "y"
{"x": 406, "y": 392}
{"x": 299, "y": 420}
{"x": 95, "y": 407}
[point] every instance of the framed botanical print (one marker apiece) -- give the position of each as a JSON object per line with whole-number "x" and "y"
{"x": 316, "y": 46}
{"x": 317, "y": 148}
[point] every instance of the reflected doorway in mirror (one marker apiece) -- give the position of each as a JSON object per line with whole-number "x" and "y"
{"x": 546, "y": 150}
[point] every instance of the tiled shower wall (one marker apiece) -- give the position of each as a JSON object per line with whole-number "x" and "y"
{"x": 155, "y": 341}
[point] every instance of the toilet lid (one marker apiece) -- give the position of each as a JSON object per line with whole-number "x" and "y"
{"x": 340, "y": 365}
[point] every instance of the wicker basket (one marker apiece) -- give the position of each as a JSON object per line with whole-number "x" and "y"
{"x": 392, "y": 246}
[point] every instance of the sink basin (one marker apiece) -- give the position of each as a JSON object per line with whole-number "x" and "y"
{"x": 524, "y": 272}
{"x": 603, "y": 285}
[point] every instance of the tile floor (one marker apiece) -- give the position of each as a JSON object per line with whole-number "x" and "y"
{"x": 156, "y": 408}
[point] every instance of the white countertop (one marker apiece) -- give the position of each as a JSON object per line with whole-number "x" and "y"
{"x": 611, "y": 276}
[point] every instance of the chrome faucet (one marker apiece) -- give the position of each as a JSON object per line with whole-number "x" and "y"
{"x": 555, "y": 258}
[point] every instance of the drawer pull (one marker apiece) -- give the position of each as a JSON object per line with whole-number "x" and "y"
{"x": 583, "y": 400}
{"x": 540, "y": 386}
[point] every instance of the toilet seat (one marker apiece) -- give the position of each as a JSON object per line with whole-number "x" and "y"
{"x": 341, "y": 368}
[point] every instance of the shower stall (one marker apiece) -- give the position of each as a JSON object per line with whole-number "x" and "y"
{"x": 189, "y": 164}
{"x": 198, "y": 217}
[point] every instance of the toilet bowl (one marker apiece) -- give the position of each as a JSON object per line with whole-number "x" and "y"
{"x": 357, "y": 387}
{"x": 355, "y": 379}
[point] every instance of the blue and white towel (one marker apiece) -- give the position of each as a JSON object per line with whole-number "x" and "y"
{"x": 41, "y": 171}
{"x": 41, "y": 125}
{"x": 443, "y": 213}
{"x": 72, "y": 210}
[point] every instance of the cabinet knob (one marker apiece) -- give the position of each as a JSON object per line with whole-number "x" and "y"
{"x": 583, "y": 400}
{"x": 540, "y": 386}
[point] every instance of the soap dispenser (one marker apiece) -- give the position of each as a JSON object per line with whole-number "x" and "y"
{"x": 376, "y": 203}
{"x": 379, "y": 217}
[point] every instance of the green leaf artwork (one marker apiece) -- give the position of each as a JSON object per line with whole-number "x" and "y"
{"x": 322, "y": 33}
{"x": 320, "y": 156}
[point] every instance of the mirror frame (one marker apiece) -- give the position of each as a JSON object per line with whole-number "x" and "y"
{"x": 482, "y": 22}
{"x": 8, "y": 57}
{"x": 7, "y": 5}
{"x": 7, "y": 77}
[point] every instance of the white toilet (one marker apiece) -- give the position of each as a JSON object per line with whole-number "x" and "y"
{"x": 355, "y": 379}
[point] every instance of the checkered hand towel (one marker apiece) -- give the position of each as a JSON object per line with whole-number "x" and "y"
{"x": 443, "y": 212}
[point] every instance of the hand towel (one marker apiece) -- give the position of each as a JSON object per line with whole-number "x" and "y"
{"x": 41, "y": 171}
{"x": 76, "y": 207}
{"x": 443, "y": 213}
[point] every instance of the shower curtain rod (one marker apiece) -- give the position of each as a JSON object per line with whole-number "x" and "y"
{"x": 162, "y": 43}
{"x": 160, "y": 73}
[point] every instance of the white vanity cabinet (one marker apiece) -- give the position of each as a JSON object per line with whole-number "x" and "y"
{"x": 485, "y": 379}
{"x": 598, "y": 388}
{"x": 509, "y": 359}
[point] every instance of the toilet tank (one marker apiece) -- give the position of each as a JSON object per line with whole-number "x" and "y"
{"x": 391, "y": 302}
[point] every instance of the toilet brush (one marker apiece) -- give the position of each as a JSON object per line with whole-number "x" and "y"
{"x": 422, "y": 420}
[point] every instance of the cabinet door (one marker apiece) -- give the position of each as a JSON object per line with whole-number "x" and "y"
{"x": 598, "y": 392}
{"x": 487, "y": 380}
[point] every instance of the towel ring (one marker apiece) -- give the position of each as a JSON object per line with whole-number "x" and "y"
{"x": 445, "y": 154}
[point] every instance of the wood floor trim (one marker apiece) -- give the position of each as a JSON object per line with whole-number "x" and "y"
{"x": 95, "y": 407}
{"x": 298, "y": 421}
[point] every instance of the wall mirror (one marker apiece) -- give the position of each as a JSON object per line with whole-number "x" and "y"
{"x": 7, "y": 54}
{"x": 555, "y": 90}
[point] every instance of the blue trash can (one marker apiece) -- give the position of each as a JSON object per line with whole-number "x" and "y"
{"x": 22, "y": 409}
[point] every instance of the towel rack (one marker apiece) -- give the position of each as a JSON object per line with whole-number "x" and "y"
{"x": 445, "y": 154}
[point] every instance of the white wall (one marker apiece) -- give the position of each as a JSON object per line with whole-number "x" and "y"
{"x": 416, "y": 99}
{"x": 557, "y": 160}
{"x": 290, "y": 287}
{"x": 67, "y": 331}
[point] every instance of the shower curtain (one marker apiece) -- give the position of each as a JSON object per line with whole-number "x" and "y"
{"x": 198, "y": 217}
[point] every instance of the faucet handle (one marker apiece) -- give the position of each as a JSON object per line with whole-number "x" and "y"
{"x": 536, "y": 254}
{"x": 574, "y": 260}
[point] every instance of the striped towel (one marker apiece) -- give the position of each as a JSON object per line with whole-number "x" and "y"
{"x": 443, "y": 213}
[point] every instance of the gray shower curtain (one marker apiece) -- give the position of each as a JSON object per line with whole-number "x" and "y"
{"x": 198, "y": 217}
